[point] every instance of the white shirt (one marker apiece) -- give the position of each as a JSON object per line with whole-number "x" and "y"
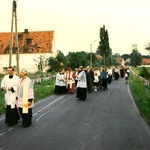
{"x": 82, "y": 80}
{"x": 10, "y": 97}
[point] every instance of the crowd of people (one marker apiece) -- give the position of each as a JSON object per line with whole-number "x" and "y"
{"x": 88, "y": 79}
{"x": 19, "y": 91}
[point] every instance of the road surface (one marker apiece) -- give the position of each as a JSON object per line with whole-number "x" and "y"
{"x": 107, "y": 120}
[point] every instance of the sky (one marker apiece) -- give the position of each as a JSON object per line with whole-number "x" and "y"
{"x": 76, "y": 23}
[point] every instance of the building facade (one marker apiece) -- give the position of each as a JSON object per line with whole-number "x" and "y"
{"x": 31, "y": 46}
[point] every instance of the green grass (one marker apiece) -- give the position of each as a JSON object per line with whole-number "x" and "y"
{"x": 43, "y": 90}
{"x": 141, "y": 94}
{"x": 2, "y": 103}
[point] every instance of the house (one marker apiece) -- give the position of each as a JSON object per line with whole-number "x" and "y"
{"x": 120, "y": 61}
{"x": 31, "y": 46}
{"x": 146, "y": 61}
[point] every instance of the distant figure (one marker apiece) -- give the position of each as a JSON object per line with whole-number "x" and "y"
{"x": 70, "y": 81}
{"x": 126, "y": 77}
{"x": 96, "y": 81}
{"x": 9, "y": 86}
{"x": 122, "y": 71}
{"x": 60, "y": 83}
{"x": 116, "y": 73}
{"x": 76, "y": 73}
{"x": 90, "y": 78}
{"x": 104, "y": 78}
{"x": 128, "y": 71}
{"x": 81, "y": 85}
{"x": 109, "y": 79}
{"x": 25, "y": 98}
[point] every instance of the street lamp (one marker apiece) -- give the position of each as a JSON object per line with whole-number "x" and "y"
{"x": 91, "y": 53}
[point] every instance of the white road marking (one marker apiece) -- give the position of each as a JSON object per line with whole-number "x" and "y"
{"x": 49, "y": 106}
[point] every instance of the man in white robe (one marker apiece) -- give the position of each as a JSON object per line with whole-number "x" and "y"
{"x": 25, "y": 98}
{"x": 81, "y": 85}
{"x": 9, "y": 86}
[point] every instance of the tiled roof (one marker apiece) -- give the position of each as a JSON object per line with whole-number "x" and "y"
{"x": 29, "y": 42}
{"x": 146, "y": 61}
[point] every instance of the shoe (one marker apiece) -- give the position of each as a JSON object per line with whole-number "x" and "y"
{"x": 26, "y": 125}
{"x": 83, "y": 99}
{"x": 11, "y": 124}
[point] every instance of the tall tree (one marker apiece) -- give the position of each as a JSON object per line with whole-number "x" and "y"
{"x": 136, "y": 57}
{"x": 103, "y": 48}
{"x": 62, "y": 59}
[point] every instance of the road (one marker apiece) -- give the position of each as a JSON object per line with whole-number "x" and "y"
{"x": 107, "y": 120}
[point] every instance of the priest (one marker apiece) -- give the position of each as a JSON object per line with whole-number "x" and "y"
{"x": 25, "y": 98}
{"x": 9, "y": 86}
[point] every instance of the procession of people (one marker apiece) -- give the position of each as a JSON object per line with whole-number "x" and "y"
{"x": 88, "y": 79}
{"x": 19, "y": 90}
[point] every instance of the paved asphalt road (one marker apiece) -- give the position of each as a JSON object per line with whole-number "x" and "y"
{"x": 107, "y": 120}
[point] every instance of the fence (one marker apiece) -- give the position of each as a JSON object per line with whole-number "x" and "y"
{"x": 146, "y": 82}
{"x": 37, "y": 78}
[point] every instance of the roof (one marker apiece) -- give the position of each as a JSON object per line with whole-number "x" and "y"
{"x": 29, "y": 42}
{"x": 146, "y": 61}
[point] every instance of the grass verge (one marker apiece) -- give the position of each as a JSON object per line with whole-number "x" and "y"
{"x": 141, "y": 94}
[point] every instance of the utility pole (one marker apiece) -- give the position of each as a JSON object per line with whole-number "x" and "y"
{"x": 12, "y": 46}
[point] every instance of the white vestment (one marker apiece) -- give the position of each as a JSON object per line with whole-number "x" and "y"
{"x": 10, "y": 97}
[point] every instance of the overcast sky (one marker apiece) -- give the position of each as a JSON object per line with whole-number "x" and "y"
{"x": 77, "y": 22}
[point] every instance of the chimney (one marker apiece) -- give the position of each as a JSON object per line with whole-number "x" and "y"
{"x": 26, "y": 31}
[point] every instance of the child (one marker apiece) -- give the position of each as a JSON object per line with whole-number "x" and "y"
{"x": 96, "y": 81}
{"x": 126, "y": 77}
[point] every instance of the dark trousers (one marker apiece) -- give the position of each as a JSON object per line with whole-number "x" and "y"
{"x": 104, "y": 84}
{"x": 26, "y": 118}
{"x": 81, "y": 93}
{"x": 89, "y": 85}
{"x": 12, "y": 115}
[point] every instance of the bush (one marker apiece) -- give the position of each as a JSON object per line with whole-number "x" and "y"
{"x": 145, "y": 73}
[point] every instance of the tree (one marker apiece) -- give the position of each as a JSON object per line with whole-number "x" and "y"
{"x": 62, "y": 59}
{"x": 77, "y": 59}
{"x": 125, "y": 56}
{"x": 103, "y": 48}
{"x": 54, "y": 64}
{"x": 41, "y": 62}
{"x": 147, "y": 47}
{"x": 57, "y": 63}
{"x": 136, "y": 57}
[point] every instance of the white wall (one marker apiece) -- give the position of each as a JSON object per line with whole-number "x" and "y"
{"x": 25, "y": 61}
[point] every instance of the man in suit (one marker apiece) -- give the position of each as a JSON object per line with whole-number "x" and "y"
{"x": 90, "y": 78}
